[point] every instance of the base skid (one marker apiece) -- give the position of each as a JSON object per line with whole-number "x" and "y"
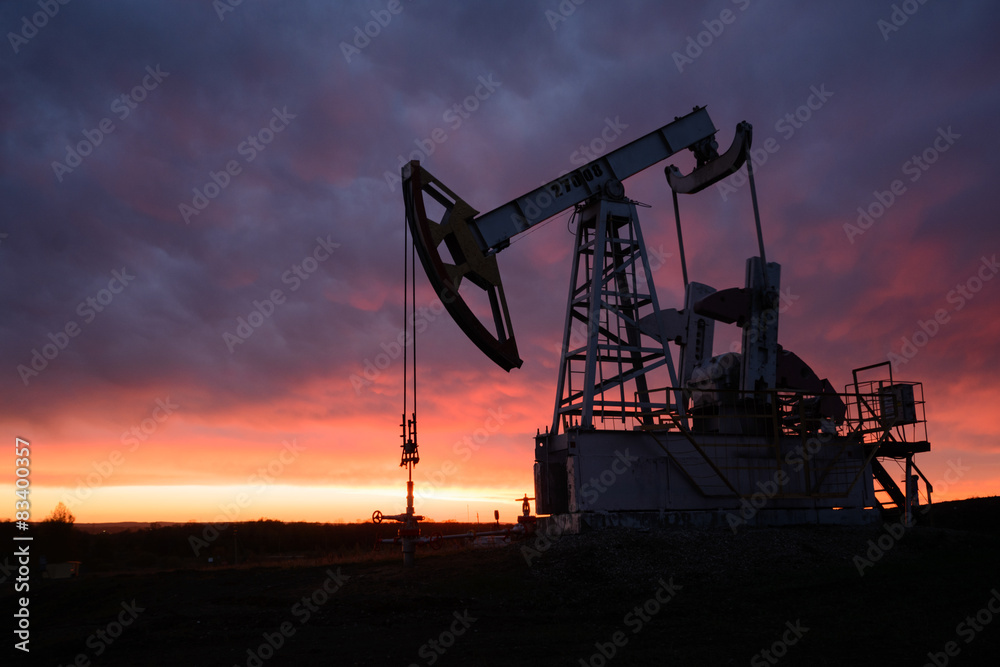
{"x": 673, "y": 474}
{"x": 582, "y": 522}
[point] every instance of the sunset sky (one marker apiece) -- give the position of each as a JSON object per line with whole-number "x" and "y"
{"x": 171, "y": 167}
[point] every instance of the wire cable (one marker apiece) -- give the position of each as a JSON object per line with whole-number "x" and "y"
{"x": 406, "y": 325}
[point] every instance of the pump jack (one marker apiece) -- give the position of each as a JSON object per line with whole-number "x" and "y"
{"x": 720, "y": 431}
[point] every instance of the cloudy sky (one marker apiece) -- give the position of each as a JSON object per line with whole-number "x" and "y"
{"x": 169, "y": 168}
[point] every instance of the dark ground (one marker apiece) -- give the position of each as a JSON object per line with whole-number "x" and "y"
{"x": 733, "y": 596}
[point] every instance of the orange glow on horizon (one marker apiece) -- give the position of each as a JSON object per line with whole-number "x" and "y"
{"x": 328, "y": 504}
{"x": 282, "y": 502}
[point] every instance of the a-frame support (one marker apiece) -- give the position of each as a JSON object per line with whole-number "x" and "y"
{"x": 605, "y": 355}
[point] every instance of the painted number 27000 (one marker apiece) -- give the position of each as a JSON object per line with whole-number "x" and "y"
{"x": 574, "y": 180}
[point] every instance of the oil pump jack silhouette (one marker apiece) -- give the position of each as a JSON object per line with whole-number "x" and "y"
{"x": 650, "y": 425}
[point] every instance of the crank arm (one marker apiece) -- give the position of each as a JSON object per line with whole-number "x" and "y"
{"x": 469, "y": 263}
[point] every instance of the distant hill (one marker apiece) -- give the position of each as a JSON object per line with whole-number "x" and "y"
{"x": 974, "y": 514}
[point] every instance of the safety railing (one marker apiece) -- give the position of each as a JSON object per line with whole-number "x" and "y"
{"x": 745, "y": 438}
